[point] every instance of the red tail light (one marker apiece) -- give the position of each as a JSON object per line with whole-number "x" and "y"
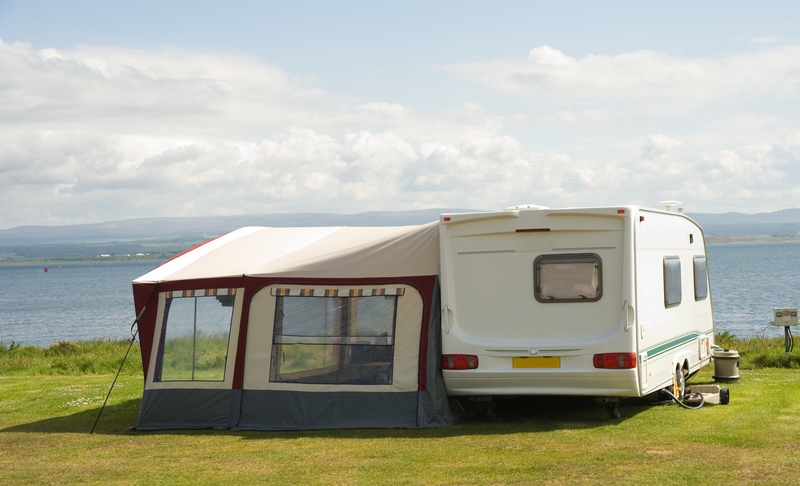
{"x": 615, "y": 361}
{"x": 459, "y": 362}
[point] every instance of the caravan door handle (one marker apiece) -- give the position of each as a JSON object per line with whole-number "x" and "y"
{"x": 446, "y": 319}
{"x": 627, "y": 317}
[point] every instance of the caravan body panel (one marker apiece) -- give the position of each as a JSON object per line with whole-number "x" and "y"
{"x": 671, "y": 334}
{"x": 520, "y": 284}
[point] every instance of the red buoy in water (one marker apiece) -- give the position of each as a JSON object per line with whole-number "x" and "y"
{"x": 46, "y": 270}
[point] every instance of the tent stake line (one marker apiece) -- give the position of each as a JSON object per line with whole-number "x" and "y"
{"x": 133, "y": 340}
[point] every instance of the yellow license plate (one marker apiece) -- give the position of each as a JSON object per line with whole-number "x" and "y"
{"x": 547, "y": 362}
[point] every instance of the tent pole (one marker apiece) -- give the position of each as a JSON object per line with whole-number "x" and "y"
{"x": 133, "y": 340}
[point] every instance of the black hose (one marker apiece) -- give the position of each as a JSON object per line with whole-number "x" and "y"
{"x": 702, "y": 401}
{"x": 787, "y": 333}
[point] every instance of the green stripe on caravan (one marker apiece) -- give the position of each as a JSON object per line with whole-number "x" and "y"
{"x": 670, "y": 345}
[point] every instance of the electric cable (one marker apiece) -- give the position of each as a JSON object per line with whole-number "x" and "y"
{"x": 764, "y": 343}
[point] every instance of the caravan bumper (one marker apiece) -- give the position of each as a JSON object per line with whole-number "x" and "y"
{"x": 619, "y": 383}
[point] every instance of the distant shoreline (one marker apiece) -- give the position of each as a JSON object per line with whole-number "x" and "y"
{"x": 58, "y": 261}
{"x": 710, "y": 240}
{"x": 729, "y": 240}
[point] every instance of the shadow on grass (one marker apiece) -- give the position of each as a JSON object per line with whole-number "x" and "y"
{"x": 114, "y": 420}
{"x": 513, "y": 415}
{"x": 543, "y": 413}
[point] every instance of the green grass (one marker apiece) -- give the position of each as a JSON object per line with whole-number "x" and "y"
{"x": 99, "y": 356}
{"x": 304, "y": 357}
{"x": 756, "y": 353}
{"x": 45, "y": 420}
{"x": 210, "y": 354}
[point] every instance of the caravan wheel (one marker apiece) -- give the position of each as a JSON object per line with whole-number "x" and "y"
{"x": 678, "y": 388}
{"x": 680, "y": 384}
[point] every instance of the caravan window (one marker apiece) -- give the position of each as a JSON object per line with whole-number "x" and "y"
{"x": 194, "y": 335}
{"x": 672, "y": 281}
{"x": 332, "y": 339}
{"x": 574, "y": 277}
{"x": 700, "y": 278}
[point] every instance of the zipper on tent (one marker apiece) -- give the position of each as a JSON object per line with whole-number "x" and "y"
{"x": 194, "y": 335}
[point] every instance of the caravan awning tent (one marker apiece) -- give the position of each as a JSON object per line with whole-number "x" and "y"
{"x": 295, "y": 328}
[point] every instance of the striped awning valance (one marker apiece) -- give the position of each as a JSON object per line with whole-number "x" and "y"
{"x": 198, "y": 293}
{"x": 285, "y": 292}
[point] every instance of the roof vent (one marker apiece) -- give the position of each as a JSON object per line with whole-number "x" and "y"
{"x": 670, "y": 204}
{"x": 524, "y": 207}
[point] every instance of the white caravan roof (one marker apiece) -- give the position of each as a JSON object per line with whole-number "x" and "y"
{"x": 328, "y": 252}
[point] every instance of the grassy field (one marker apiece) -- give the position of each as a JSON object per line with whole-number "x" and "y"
{"x": 47, "y": 410}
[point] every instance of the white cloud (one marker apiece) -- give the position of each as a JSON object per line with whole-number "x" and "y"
{"x": 180, "y": 93}
{"x": 79, "y": 178}
{"x": 660, "y": 146}
{"x": 126, "y": 89}
{"x": 764, "y": 40}
{"x": 101, "y": 133}
{"x": 548, "y": 56}
{"x": 588, "y": 117}
{"x": 298, "y": 170}
{"x": 643, "y": 76}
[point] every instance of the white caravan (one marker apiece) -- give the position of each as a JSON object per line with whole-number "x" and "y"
{"x": 609, "y": 302}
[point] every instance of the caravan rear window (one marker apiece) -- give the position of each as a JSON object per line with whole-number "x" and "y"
{"x": 576, "y": 277}
{"x": 194, "y": 335}
{"x": 332, "y": 339}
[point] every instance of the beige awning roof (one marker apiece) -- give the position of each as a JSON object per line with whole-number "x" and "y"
{"x": 330, "y": 252}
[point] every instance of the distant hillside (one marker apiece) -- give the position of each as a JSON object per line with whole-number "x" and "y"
{"x": 778, "y": 223}
{"x": 149, "y": 228}
{"x": 173, "y": 235}
{"x": 168, "y": 236}
{"x": 782, "y": 216}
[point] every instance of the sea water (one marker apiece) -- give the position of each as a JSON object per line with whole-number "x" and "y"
{"x": 81, "y": 301}
{"x": 75, "y": 301}
{"x": 748, "y": 281}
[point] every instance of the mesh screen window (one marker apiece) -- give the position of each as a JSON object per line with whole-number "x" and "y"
{"x": 194, "y": 338}
{"x": 334, "y": 340}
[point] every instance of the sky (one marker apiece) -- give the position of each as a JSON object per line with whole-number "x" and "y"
{"x": 120, "y": 110}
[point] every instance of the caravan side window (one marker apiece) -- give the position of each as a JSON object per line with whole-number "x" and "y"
{"x": 700, "y": 277}
{"x": 576, "y": 277}
{"x": 672, "y": 280}
{"x": 321, "y": 337}
{"x": 194, "y": 335}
